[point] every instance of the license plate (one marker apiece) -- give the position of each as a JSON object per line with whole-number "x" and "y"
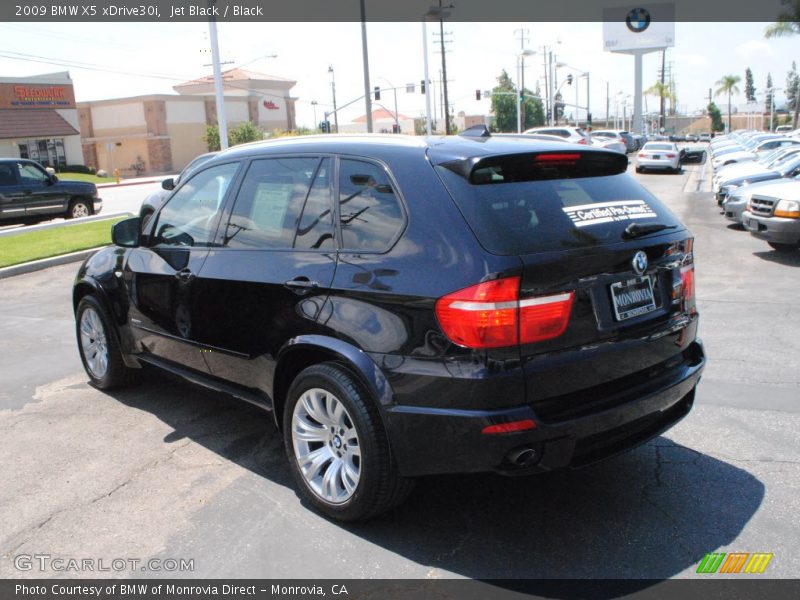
{"x": 656, "y": 156}
{"x": 633, "y": 297}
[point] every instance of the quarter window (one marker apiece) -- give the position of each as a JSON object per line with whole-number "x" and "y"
{"x": 190, "y": 216}
{"x": 369, "y": 209}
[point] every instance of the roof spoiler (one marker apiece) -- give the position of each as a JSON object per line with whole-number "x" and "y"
{"x": 476, "y": 131}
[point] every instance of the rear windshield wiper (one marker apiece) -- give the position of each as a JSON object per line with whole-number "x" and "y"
{"x": 636, "y": 229}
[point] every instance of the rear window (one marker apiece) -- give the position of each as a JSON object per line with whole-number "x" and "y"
{"x": 658, "y": 147}
{"x": 512, "y": 215}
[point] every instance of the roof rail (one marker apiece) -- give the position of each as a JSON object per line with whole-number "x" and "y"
{"x": 476, "y": 131}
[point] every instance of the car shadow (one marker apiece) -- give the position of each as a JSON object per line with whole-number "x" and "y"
{"x": 734, "y": 226}
{"x": 647, "y": 515}
{"x": 782, "y": 258}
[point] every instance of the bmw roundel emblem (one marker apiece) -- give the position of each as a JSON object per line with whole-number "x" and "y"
{"x": 639, "y": 262}
{"x": 638, "y": 20}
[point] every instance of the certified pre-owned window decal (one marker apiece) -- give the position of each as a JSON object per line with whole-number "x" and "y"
{"x": 608, "y": 212}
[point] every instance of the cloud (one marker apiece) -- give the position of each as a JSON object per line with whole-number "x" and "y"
{"x": 754, "y": 49}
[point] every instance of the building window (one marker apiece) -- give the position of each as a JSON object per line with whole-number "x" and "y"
{"x": 48, "y": 152}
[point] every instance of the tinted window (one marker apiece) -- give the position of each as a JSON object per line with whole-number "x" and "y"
{"x": 316, "y": 223}
{"x": 7, "y": 175}
{"x": 369, "y": 209}
{"x": 29, "y": 174}
{"x": 190, "y": 216}
{"x": 270, "y": 203}
{"x": 658, "y": 147}
{"x": 521, "y": 217}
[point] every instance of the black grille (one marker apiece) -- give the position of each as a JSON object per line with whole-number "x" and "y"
{"x": 762, "y": 206}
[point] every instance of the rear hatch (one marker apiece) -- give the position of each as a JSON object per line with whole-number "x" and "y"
{"x": 606, "y": 274}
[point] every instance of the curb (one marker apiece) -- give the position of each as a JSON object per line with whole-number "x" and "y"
{"x": 46, "y": 263}
{"x": 101, "y": 186}
{"x": 65, "y": 223}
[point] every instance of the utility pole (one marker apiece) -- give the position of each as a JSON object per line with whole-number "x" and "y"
{"x": 367, "y": 98}
{"x": 444, "y": 75}
{"x": 333, "y": 91}
{"x": 662, "y": 124}
{"x": 523, "y": 39}
{"x": 222, "y": 123}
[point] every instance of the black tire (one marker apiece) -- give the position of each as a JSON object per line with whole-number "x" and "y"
{"x": 117, "y": 374}
{"x": 639, "y": 170}
{"x": 783, "y": 247}
{"x": 79, "y": 208}
{"x": 380, "y": 487}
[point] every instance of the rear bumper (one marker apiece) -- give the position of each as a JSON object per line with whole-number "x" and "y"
{"x": 772, "y": 229}
{"x": 436, "y": 440}
{"x": 657, "y": 164}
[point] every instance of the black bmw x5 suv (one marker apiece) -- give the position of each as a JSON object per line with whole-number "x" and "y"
{"x": 409, "y": 306}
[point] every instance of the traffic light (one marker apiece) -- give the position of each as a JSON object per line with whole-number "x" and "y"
{"x": 422, "y": 86}
{"x": 589, "y": 118}
{"x": 569, "y": 79}
{"x": 477, "y": 94}
{"x": 325, "y": 126}
{"x": 522, "y": 95}
{"x": 377, "y": 93}
{"x": 395, "y": 128}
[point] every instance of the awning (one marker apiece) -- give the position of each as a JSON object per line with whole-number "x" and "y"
{"x": 33, "y": 123}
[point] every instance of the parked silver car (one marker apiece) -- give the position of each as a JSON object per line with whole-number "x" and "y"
{"x": 735, "y": 204}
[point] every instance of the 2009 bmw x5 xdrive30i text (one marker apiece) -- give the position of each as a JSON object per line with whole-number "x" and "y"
{"x": 409, "y": 306}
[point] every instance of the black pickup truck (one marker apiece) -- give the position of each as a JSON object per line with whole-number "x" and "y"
{"x": 29, "y": 194}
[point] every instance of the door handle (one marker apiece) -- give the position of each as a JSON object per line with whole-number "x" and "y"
{"x": 185, "y": 275}
{"x": 301, "y": 284}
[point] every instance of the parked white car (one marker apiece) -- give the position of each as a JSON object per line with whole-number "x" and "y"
{"x": 660, "y": 156}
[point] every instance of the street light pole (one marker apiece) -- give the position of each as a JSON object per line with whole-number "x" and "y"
{"x": 333, "y": 91}
{"x": 316, "y": 123}
{"x": 222, "y": 123}
{"x": 444, "y": 72}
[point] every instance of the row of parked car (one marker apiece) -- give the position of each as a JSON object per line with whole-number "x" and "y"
{"x": 617, "y": 140}
{"x": 756, "y": 181}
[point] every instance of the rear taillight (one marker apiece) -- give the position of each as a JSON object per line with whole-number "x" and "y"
{"x": 583, "y": 141}
{"x": 687, "y": 289}
{"x": 670, "y": 155}
{"x": 491, "y": 315}
{"x": 642, "y": 155}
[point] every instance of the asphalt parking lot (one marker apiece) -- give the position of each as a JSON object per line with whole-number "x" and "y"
{"x": 168, "y": 470}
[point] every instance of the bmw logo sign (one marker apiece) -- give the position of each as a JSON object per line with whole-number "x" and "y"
{"x": 638, "y": 20}
{"x": 639, "y": 262}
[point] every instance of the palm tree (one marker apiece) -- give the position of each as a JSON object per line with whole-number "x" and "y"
{"x": 663, "y": 91}
{"x": 727, "y": 85}
{"x": 788, "y": 21}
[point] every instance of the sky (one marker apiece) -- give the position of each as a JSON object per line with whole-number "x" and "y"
{"x": 112, "y": 60}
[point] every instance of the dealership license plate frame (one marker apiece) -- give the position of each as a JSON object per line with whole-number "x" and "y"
{"x": 644, "y": 282}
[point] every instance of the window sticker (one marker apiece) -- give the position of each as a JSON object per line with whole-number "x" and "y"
{"x": 609, "y": 212}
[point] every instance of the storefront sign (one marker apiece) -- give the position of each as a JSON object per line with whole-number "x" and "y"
{"x": 21, "y": 95}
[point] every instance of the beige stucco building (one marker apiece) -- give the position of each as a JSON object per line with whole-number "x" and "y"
{"x": 161, "y": 133}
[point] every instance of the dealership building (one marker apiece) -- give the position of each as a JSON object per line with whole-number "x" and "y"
{"x": 161, "y": 133}
{"x": 39, "y": 119}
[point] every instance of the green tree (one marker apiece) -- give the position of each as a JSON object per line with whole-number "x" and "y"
{"x": 727, "y": 85}
{"x": 716, "y": 117}
{"x": 504, "y": 106}
{"x": 793, "y": 91}
{"x": 788, "y": 21}
{"x": 211, "y": 138}
{"x": 749, "y": 86}
{"x": 241, "y": 134}
{"x": 768, "y": 94}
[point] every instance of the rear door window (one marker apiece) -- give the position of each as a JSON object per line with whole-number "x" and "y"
{"x": 283, "y": 203}
{"x": 514, "y": 208}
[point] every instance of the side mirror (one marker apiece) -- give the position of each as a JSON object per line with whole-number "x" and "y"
{"x": 126, "y": 233}
{"x": 168, "y": 184}
{"x": 53, "y": 178}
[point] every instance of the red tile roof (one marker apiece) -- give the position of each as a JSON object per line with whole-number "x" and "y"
{"x": 33, "y": 123}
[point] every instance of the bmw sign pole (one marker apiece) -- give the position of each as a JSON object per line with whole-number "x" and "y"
{"x": 638, "y": 30}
